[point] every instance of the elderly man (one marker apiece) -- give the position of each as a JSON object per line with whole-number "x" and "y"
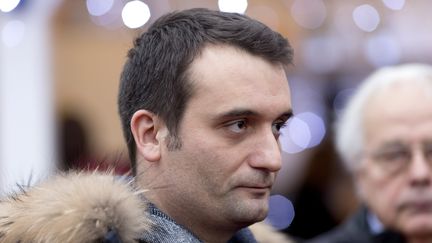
{"x": 385, "y": 138}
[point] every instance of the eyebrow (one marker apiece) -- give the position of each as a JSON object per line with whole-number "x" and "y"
{"x": 399, "y": 144}
{"x": 392, "y": 144}
{"x": 247, "y": 112}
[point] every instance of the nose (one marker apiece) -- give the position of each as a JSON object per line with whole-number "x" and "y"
{"x": 420, "y": 170}
{"x": 266, "y": 154}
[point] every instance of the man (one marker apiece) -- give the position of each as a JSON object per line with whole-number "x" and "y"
{"x": 202, "y": 99}
{"x": 385, "y": 138}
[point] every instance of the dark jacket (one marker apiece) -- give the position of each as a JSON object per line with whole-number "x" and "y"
{"x": 357, "y": 230}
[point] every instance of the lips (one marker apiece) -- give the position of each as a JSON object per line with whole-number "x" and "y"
{"x": 256, "y": 192}
{"x": 257, "y": 182}
{"x": 266, "y": 185}
{"x": 257, "y": 188}
{"x": 418, "y": 206}
{"x": 422, "y": 205}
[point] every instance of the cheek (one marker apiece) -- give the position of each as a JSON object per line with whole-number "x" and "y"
{"x": 218, "y": 169}
{"x": 211, "y": 168}
{"x": 382, "y": 195}
{"x": 216, "y": 162}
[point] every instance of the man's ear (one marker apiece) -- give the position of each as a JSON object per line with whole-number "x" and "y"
{"x": 145, "y": 127}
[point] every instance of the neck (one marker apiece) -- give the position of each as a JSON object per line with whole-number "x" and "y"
{"x": 197, "y": 223}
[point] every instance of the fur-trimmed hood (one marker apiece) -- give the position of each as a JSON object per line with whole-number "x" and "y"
{"x": 75, "y": 207}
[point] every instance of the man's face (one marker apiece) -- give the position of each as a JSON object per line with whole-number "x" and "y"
{"x": 230, "y": 154}
{"x": 396, "y": 176}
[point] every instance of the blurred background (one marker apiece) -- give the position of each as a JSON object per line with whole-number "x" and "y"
{"x": 60, "y": 62}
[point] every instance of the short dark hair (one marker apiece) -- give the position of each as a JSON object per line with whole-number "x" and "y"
{"x": 155, "y": 76}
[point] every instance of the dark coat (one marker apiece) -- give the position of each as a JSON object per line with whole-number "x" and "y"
{"x": 357, "y": 230}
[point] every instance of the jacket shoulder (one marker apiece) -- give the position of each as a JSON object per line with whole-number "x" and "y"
{"x": 354, "y": 230}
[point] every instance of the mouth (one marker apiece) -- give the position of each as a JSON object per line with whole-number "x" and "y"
{"x": 419, "y": 206}
{"x": 256, "y": 189}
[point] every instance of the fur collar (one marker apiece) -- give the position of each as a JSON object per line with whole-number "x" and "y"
{"x": 75, "y": 207}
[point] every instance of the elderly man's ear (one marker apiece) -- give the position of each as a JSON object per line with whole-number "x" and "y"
{"x": 149, "y": 132}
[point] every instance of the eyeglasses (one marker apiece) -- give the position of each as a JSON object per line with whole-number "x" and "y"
{"x": 394, "y": 158}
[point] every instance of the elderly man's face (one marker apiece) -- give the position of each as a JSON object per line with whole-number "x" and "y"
{"x": 230, "y": 154}
{"x": 396, "y": 176}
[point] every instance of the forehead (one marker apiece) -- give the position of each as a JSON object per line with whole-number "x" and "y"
{"x": 225, "y": 76}
{"x": 400, "y": 112}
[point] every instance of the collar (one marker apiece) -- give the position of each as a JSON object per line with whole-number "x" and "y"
{"x": 375, "y": 225}
{"x": 165, "y": 229}
{"x": 379, "y": 231}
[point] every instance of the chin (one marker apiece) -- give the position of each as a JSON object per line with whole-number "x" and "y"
{"x": 250, "y": 211}
{"x": 419, "y": 225}
{"x": 260, "y": 209}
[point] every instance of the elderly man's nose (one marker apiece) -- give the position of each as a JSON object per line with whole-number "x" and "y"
{"x": 420, "y": 170}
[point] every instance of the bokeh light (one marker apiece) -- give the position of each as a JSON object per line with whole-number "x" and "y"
{"x": 112, "y": 18}
{"x": 135, "y": 14}
{"x": 316, "y": 127}
{"x": 281, "y": 212}
{"x": 382, "y": 50}
{"x": 299, "y": 132}
{"x": 394, "y": 4}
{"x": 99, "y": 7}
{"x": 304, "y": 130}
{"x": 309, "y": 14}
{"x": 8, "y": 5}
{"x": 13, "y": 33}
{"x": 366, "y": 17}
{"x": 233, "y": 6}
{"x": 295, "y": 136}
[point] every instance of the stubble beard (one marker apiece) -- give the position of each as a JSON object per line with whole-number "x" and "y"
{"x": 246, "y": 211}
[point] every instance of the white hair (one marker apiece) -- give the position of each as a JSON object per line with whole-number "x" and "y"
{"x": 349, "y": 129}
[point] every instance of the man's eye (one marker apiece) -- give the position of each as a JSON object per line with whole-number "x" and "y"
{"x": 237, "y": 126}
{"x": 276, "y": 127}
{"x": 428, "y": 152}
{"x": 395, "y": 156}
